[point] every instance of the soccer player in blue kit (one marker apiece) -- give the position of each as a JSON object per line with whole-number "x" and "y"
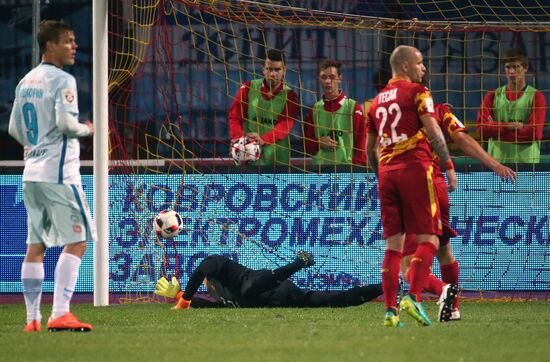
{"x": 44, "y": 119}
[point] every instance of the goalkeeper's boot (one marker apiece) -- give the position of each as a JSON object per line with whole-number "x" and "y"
{"x": 305, "y": 259}
{"x": 446, "y": 302}
{"x": 391, "y": 319}
{"x": 415, "y": 309}
{"x": 33, "y": 326}
{"x": 68, "y": 322}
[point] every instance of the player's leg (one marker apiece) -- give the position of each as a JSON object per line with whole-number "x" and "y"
{"x": 450, "y": 274}
{"x": 346, "y": 298}
{"x": 390, "y": 271}
{"x": 448, "y": 297}
{"x": 70, "y": 227}
{"x": 32, "y": 276}
{"x": 447, "y": 292}
{"x": 285, "y": 294}
{"x": 433, "y": 284}
{"x": 211, "y": 266}
{"x": 447, "y": 262}
{"x": 422, "y": 217}
{"x": 66, "y": 275}
{"x": 263, "y": 280}
{"x": 421, "y": 263}
{"x": 32, "y": 268}
{"x": 303, "y": 260}
{"x": 393, "y": 225}
{"x": 418, "y": 274}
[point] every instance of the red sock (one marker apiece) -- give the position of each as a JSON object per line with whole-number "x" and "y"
{"x": 434, "y": 285}
{"x": 449, "y": 274}
{"x": 390, "y": 277}
{"x": 420, "y": 268}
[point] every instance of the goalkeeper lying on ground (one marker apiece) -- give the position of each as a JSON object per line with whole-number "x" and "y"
{"x": 233, "y": 285}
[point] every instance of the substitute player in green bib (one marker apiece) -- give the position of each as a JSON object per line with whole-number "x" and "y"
{"x": 512, "y": 117}
{"x": 264, "y": 110}
{"x": 335, "y": 128}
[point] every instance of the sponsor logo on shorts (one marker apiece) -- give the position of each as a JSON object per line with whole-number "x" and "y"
{"x": 77, "y": 228}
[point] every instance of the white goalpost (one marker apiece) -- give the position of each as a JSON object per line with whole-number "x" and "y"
{"x": 101, "y": 152}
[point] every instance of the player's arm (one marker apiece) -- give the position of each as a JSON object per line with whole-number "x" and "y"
{"x": 164, "y": 288}
{"x": 435, "y": 135}
{"x": 372, "y": 152}
{"x": 487, "y": 127}
{"x": 310, "y": 140}
{"x": 14, "y": 127}
{"x": 172, "y": 290}
{"x": 195, "y": 280}
{"x": 66, "y": 110}
{"x": 68, "y": 125}
{"x": 200, "y": 302}
{"x": 534, "y": 128}
{"x": 470, "y": 147}
{"x": 238, "y": 112}
{"x": 285, "y": 121}
{"x": 359, "y": 136}
{"x": 167, "y": 289}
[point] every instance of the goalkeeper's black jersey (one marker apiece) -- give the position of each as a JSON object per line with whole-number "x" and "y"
{"x": 225, "y": 276}
{"x": 233, "y": 285}
{"x": 223, "y": 295}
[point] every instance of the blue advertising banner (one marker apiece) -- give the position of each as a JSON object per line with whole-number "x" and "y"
{"x": 262, "y": 220}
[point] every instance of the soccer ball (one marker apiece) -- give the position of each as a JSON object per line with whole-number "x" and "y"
{"x": 168, "y": 224}
{"x": 244, "y": 150}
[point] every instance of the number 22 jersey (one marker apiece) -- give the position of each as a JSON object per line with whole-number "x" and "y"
{"x": 394, "y": 116}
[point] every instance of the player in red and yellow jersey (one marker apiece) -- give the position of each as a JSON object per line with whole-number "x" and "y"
{"x": 402, "y": 132}
{"x": 454, "y": 131}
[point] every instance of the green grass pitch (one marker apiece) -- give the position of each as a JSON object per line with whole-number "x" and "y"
{"x": 489, "y": 331}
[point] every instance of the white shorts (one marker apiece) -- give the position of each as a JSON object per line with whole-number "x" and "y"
{"x": 57, "y": 214}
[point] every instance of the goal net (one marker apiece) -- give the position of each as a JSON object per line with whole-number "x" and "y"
{"x": 175, "y": 68}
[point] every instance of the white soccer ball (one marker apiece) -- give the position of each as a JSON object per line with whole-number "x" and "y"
{"x": 168, "y": 224}
{"x": 244, "y": 150}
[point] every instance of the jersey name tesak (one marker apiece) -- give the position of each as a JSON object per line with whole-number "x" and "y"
{"x": 387, "y": 96}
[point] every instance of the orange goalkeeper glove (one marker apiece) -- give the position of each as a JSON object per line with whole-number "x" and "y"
{"x": 182, "y": 304}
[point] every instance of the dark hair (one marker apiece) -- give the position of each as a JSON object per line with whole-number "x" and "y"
{"x": 276, "y": 55}
{"x": 327, "y": 63}
{"x": 515, "y": 55}
{"x": 50, "y": 30}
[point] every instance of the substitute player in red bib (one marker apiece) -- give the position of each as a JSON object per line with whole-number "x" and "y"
{"x": 402, "y": 132}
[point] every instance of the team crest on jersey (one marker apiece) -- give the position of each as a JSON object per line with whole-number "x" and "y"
{"x": 425, "y": 102}
{"x": 77, "y": 228}
{"x": 68, "y": 96}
